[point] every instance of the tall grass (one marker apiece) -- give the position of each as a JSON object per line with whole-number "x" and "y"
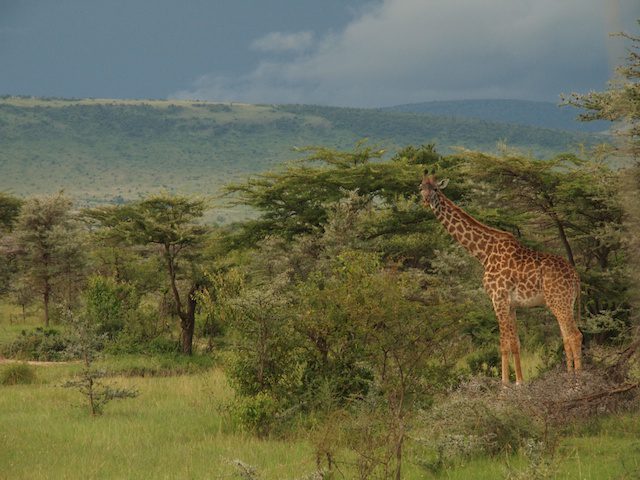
{"x": 178, "y": 428}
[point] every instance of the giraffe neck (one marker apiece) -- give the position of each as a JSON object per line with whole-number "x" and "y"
{"x": 474, "y": 236}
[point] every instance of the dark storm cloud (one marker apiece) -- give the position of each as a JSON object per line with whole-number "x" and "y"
{"x": 143, "y": 48}
{"x": 416, "y": 50}
{"x": 344, "y": 52}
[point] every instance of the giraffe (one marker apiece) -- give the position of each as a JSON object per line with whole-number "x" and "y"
{"x": 514, "y": 276}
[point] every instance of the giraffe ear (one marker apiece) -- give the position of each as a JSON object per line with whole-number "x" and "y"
{"x": 442, "y": 184}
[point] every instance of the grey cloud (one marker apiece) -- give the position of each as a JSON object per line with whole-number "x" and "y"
{"x": 278, "y": 42}
{"x": 415, "y": 50}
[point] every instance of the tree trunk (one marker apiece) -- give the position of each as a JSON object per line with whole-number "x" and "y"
{"x": 564, "y": 240}
{"x": 187, "y": 318}
{"x": 188, "y": 322}
{"x": 187, "y": 338}
{"x": 46, "y": 306}
{"x": 399, "y": 443}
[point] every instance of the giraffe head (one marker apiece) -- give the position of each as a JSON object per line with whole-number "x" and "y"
{"x": 430, "y": 187}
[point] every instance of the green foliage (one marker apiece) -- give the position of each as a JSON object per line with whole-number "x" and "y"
{"x": 258, "y": 413}
{"x": 109, "y": 304}
{"x": 264, "y": 341}
{"x": 17, "y": 374}
{"x": 158, "y": 219}
{"x": 485, "y": 362}
{"x": 140, "y": 338}
{"x": 51, "y": 256}
{"x": 169, "y": 223}
{"x": 9, "y": 210}
{"x": 156, "y": 362}
{"x": 42, "y": 344}
{"x": 619, "y": 103}
{"x": 297, "y": 200}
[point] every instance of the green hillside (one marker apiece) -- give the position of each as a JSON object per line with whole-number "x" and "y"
{"x": 521, "y": 112}
{"x": 114, "y": 150}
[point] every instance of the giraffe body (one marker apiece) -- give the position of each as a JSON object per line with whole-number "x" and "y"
{"x": 514, "y": 276}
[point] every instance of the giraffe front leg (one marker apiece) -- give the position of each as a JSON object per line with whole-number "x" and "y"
{"x": 515, "y": 345}
{"x": 505, "y": 348}
{"x": 502, "y": 308}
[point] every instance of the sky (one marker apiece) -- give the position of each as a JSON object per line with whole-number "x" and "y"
{"x": 361, "y": 53}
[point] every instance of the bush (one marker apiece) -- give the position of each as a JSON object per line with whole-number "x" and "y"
{"x": 110, "y": 304}
{"x": 156, "y": 366}
{"x": 477, "y": 419}
{"x": 126, "y": 343}
{"x": 483, "y": 417}
{"x": 257, "y": 413}
{"x": 44, "y": 344}
{"x": 18, "y": 374}
{"x": 485, "y": 362}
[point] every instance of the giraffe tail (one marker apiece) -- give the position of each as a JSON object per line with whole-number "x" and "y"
{"x": 577, "y": 345}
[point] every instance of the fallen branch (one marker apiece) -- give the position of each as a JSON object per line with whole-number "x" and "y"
{"x": 599, "y": 395}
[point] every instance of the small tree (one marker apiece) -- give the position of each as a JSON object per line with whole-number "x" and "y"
{"x": 374, "y": 319}
{"x": 85, "y": 343}
{"x": 48, "y": 241}
{"x": 22, "y": 295}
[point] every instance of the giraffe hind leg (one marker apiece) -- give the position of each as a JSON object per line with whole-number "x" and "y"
{"x": 560, "y": 294}
{"x": 571, "y": 338}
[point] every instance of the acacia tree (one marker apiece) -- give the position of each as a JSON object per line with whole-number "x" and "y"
{"x": 48, "y": 242}
{"x": 620, "y": 104}
{"x": 295, "y": 201}
{"x": 169, "y": 223}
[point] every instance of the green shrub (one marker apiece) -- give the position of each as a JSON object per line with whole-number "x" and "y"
{"x": 485, "y": 362}
{"x": 162, "y": 345}
{"x": 44, "y": 344}
{"x": 126, "y": 343}
{"x": 110, "y": 304}
{"x": 156, "y": 366}
{"x": 18, "y": 374}
{"x": 257, "y": 413}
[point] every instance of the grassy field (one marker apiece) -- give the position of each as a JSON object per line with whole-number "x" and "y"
{"x": 180, "y": 427}
{"x": 177, "y": 428}
{"x": 173, "y": 429}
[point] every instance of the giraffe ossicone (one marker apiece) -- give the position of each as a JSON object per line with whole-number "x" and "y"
{"x": 514, "y": 276}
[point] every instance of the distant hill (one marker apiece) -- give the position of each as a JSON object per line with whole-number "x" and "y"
{"x": 114, "y": 150}
{"x": 521, "y": 112}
